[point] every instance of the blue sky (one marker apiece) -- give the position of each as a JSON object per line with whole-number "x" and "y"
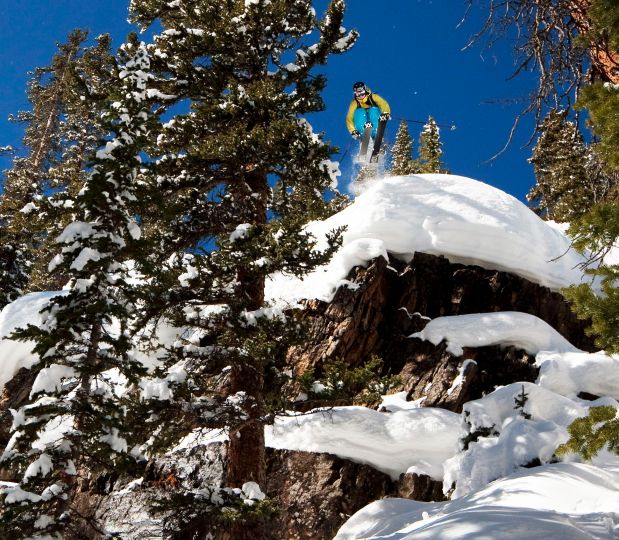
{"x": 409, "y": 51}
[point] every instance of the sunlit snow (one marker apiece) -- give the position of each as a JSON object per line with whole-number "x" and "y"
{"x": 465, "y": 220}
{"x": 563, "y": 501}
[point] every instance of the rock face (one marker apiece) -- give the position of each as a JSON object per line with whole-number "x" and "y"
{"x": 316, "y": 493}
{"x": 392, "y": 300}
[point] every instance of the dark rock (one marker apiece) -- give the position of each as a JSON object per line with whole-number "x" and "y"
{"x": 419, "y": 487}
{"x": 392, "y": 300}
{"x": 318, "y": 492}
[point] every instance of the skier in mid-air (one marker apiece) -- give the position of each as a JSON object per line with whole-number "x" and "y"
{"x": 367, "y": 110}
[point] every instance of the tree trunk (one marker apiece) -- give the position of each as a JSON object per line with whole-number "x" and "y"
{"x": 246, "y": 453}
{"x": 246, "y": 450}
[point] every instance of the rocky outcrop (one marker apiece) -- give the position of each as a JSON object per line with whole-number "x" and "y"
{"x": 390, "y": 300}
{"x": 316, "y": 493}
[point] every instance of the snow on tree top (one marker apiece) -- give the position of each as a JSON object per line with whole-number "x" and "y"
{"x": 463, "y": 219}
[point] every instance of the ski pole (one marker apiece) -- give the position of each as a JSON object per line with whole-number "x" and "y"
{"x": 451, "y": 127}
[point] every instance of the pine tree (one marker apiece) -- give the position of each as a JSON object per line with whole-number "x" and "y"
{"x": 602, "y": 102}
{"x": 61, "y": 129}
{"x": 591, "y": 434}
{"x": 78, "y": 134}
{"x": 520, "y": 402}
{"x": 216, "y": 224}
{"x": 75, "y": 419}
{"x": 402, "y": 162}
{"x": 431, "y": 149}
{"x": 24, "y": 183}
{"x": 562, "y": 191}
{"x": 596, "y": 231}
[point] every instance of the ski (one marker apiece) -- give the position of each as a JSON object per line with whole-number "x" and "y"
{"x": 380, "y": 131}
{"x": 365, "y": 143}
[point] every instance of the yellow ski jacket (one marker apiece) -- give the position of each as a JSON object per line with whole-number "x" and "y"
{"x": 367, "y": 101}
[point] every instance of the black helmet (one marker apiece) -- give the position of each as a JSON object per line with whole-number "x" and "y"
{"x": 360, "y": 89}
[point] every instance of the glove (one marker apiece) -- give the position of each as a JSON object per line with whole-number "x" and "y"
{"x": 384, "y": 117}
{"x": 368, "y": 125}
{"x": 356, "y": 135}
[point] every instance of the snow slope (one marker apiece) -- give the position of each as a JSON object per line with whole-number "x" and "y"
{"x": 563, "y": 501}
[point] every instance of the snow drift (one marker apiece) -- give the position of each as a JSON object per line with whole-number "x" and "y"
{"x": 465, "y": 220}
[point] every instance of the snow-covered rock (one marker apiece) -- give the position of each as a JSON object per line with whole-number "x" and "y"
{"x": 467, "y": 221}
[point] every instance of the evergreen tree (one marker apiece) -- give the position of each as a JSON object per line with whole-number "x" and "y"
{"x": 520, "y": 403}
{"x": 61, "y": 129}
{"x": 24, "y": 183}
{"x": 596, "y": 231}
{"x": 217, "y": 225}
{"x": 74, "y": 420}
{"x": 431, "y": 149}
{"x": 602, "y": 102}
{"x": 402, "y": 162}
{"x": 562, "y": 190}
{"x": 78, "y": 134}
{"x": 596, "y": 431}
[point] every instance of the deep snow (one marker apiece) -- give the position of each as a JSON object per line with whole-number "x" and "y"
{"x": 465, "y": 220}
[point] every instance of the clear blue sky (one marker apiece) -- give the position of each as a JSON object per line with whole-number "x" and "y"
{"x": 409, "y": 51}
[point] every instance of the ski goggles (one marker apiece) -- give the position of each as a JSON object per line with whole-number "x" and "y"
{"x": 360, "y": 92}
